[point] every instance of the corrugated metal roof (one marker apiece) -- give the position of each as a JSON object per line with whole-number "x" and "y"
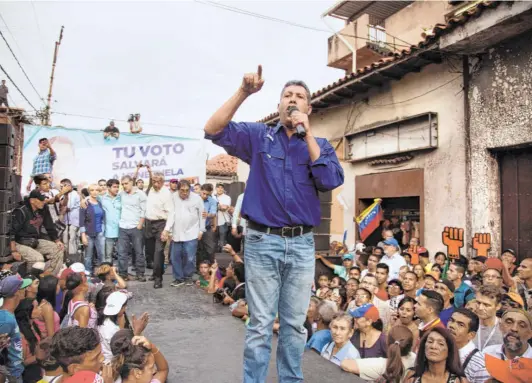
{"x": 351, "y": 10}
{"x": 395, "y": 66}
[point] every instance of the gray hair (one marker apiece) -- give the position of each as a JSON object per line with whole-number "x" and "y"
{"x": 126, "y": 178}
{"x": 297, "y": 83}
{"x": 326, "y": 311}
{"x": 158, "y": 175}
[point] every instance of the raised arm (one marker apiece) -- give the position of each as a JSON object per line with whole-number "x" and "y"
{"x": 251, "y": 83}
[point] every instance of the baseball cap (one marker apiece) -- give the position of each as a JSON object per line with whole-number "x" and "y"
{"x": 84, "y": 377}
{"x": 114, "y": 303}
{"x": 449, "y": 285}
{"x": 509, "y": 371}
{"x": 347, "y": 256}
{"x": 367, "y": 311}
{"x": 516, "y": 298}
{"x": 494, "y": 263}
{"x": 10, "y": 284}
{"x": 423, "y": 252}
{"x": 79, "y": 267}
{"x": 173, "y": 180}
{"x": 511, "y": 251}
{"x": 432, "y": 275}
{"x": 37, "y": 194}
{"x": 360, "y": 246}
{"x": 391, "y": 242}
{"x": 480, "y": 258}
{"x": 65, "y": 273}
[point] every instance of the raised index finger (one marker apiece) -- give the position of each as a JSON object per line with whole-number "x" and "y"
{"x": 259, "y": 72}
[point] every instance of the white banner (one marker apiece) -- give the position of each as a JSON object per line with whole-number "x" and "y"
{"x": 84, "y": 156}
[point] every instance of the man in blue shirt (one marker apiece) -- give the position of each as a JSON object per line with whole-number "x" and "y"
{"x": 12, "y": 292}
{"x": 43, "y": 161}
{"x": 207, "y": 244}
{"x": 281, "y": 206}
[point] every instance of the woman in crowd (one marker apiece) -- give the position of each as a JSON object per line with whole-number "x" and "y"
{"x": 48, "y": 319}
{"x": 312, "y": 315}
{"x": 405, "y": 317}
{"x": 440, "y": 259}
{"x": 420, "y": 273}
{"x": 437, "y": 270}
{"x": 79, "y": 312}
{"x": 109, "y": 318}
{"x": 341, "y": 347}
{"x": 351, "y": 288}
{"x": 394, "y": 367}
{"x": 137, "y": 360}
{"x": 368, "y": 337}
{"x": 91, "y": 222}
{"x": 437, "y": 360}
{"x": 31, "y": 336}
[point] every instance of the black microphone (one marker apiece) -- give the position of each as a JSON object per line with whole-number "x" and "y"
{"x": 300, "y": 129}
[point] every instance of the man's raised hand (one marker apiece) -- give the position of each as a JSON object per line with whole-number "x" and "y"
{"x": 252, "y": 82}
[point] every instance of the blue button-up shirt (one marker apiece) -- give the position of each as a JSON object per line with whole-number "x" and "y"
{"x": 43, "y": 162}
{"x": 283, "y": 183}
{"x": 211, "y": 207}
{"x": 112, "y": 207}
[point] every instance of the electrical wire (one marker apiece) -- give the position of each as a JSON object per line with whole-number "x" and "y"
{"x": 20, "y": 65}
{"x": 116, "y": 119}
{"x": 281, "y": 21}
{"x": 15, "y": 85}
{"x": 38, "y": 27}
{"x": 418, "y": 96}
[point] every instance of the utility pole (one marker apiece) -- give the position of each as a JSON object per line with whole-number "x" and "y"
{"x": 46, "y": 117}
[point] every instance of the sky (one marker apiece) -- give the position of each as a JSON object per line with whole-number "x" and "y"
{"x": 174, "y": 62}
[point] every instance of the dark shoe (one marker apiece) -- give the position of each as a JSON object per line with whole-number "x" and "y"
{"x": 124, "y": 277}
{"x": 177, "y": 283}
{"x": 141, "y": 278}
{"x": 149, "y": 266}
{"x": 189, "y": 282}
{"x": 158, "y": 285}
{"x": 151, "y": 278}
{"x": 133, "y": 269}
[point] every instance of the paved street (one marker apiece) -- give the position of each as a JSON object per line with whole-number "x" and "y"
{"x": 202, "y": 342}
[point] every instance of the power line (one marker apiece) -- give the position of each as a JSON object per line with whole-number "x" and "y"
{"x": 116, "y": 119}
{"x": 15, "y": 85}
{"x": 281, "y": 21}
{"x": 38, "y": 27}
{"x": 11, "y": 34}
{"x": 418, "y": 96}
{"x": 20, "y": 65}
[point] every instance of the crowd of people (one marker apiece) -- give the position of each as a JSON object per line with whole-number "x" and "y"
{"x": 63, "y": 288}
{"x": 386, "y": 314}
{"x": 391, "y": 315}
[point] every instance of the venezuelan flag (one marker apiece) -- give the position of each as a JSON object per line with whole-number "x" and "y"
{"x": 370, "y": 219}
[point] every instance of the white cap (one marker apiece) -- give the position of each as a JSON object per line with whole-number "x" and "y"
{"x": 79, "y": 267}
{"x": 39, "y": 266}
{"x": 114, "y": 303}
{"x": 360, "y": 246}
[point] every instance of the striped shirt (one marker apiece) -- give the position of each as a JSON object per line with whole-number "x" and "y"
{"x": 475, "y": 370}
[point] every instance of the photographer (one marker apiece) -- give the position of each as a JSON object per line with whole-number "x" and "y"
{"x": 70, "y": 209}
{"x": 26, "y": 227}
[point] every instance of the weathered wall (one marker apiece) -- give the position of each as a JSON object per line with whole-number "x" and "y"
{"x": 444, "y": 168}
{"x": 408, "y": 24}
{"x": 501, "y": 117}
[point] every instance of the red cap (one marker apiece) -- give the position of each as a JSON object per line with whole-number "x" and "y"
{"x": 174, "y": 180}
{"x": 66, "y": 272}
{"x": 494, "y": 263}
{"x": 84, "y": 377}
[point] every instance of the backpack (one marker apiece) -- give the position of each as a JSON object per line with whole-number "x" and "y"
{"x": 69, "y": 317}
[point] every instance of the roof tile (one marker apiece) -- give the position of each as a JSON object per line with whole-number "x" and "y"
{"x": 222, "y": 165}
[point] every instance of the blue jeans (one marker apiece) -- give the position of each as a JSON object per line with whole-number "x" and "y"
{"x": 97, "y": 241}
{"x": 279, "y": 276}
{"x": 183, "y": 255}
{"x": 110, "y": 248}
{"x": 126, "y": 238}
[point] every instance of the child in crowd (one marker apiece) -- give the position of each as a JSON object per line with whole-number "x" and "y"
{"x": 323, "y": 282}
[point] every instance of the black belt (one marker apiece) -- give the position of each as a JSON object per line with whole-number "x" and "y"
{"x": 156, "y": 220}
{"x": 287, "y": 231}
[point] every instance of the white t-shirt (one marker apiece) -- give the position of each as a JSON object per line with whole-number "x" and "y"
{"x": 372, "y": 368}
{"x": 223, "y": 216}
{"x": 107, "y": 330}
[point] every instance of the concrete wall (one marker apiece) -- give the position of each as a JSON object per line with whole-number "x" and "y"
{"x": 444, "y": 168}
{"x": 408, "y": 23}
{"x": 501, "y": 116}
